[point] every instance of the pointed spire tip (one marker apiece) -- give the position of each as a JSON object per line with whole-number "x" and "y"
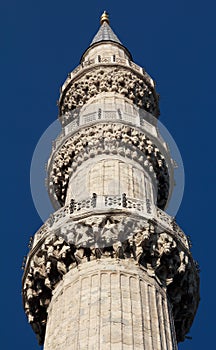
{"x": 104, "y": 18}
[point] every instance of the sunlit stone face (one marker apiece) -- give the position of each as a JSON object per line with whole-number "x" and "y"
{"x": 110, "y": 176}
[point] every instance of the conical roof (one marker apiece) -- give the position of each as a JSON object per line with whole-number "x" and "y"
{"x": 105, "y": 33}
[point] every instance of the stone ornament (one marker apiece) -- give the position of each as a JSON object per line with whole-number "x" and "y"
{"x": 109, "y": 79}
{"x": 163, "y": 257}
{"x": 107, "y": 139}
{"x": 98, "y": 231}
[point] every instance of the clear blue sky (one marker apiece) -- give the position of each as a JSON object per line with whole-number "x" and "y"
{"x": 41, "y": 41}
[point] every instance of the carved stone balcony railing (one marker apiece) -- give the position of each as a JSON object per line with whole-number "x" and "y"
{"x": 107, "y": 61}
{"x": 75, "y": 121}
{"x": 104, "y": 204}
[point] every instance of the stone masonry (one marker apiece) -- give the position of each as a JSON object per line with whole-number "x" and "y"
{"x": 110, "y": 269}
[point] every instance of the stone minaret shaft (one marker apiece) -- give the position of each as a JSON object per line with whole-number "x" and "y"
{"x": 110, "y": 269}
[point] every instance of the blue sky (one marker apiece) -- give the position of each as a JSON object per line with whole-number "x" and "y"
{"x": 41, "y": 41}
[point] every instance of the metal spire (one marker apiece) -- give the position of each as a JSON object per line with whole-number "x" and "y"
{"x": 104, "y": 18}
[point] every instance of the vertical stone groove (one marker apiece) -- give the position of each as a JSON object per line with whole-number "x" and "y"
{"x": 150, "y": 315}
{"x": 115, "y": 310}
{"x": 78, "y": 318}
{"x": 121, "y": 309}
{"x": 99, "y": 309}
{"x": 142, "y": 315}
{"x": 161, "y": 320}
{"x": 166, "y": 332}
{"x": 79, "y": 311}
{"x": 159, "y": 325}
{"x": 132, "y": 321}
{"x": 89, "y": 298}
{"x": 105, "y": 324}
{"x": 170, "y": 334}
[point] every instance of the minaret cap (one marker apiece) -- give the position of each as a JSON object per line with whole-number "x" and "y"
{"x": 104, "y": 18}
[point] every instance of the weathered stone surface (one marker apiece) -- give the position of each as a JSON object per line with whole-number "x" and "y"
{"x": 109, "y": 304}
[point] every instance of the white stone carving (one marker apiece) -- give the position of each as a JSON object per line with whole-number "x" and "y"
{"x": 125, "y": 238}
{"x": 109, "y": 79}
{"x": 107, "y": 139}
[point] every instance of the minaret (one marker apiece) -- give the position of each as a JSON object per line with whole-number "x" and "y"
{"x": 110, "y": 269}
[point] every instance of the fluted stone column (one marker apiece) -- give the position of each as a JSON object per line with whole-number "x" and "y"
{"x": 112, "y": 305}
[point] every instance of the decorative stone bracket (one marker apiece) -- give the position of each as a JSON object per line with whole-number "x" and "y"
{"x": 157, "y": 251}
{"x": 109, "y": 79}
{"x": 107, "y": 139}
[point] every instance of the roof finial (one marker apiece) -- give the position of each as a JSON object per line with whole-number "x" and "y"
{"x": 104, "y": 18}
